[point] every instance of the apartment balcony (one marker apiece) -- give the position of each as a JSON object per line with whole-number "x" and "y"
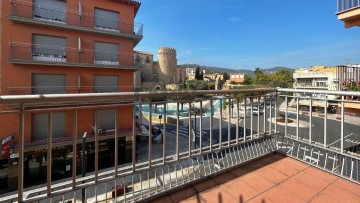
{"x": 29, "y": 13}
{"x": 36, "y": 54}
{"x": 349, "y": 12}
{"x": 310, "y": 86}
{"x": 203, "y": 150}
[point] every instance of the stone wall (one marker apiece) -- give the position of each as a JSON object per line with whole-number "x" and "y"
{"x": 168, "y": 65}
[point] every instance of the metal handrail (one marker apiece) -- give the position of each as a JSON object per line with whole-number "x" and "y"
{"x": 345, "y": 5}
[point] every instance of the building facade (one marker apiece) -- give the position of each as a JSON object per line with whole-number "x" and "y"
{"x": 61, "y": 47}
{"x": 317, "y": 77}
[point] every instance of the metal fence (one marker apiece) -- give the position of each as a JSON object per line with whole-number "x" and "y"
{"x": 182, "y": 137}
{"x": 344, "y": 5}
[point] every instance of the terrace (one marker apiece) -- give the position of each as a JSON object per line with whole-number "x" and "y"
{"x": 214, "y": 148}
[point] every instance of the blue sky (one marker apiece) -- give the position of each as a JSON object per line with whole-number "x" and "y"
{"x": 249, "y": 33}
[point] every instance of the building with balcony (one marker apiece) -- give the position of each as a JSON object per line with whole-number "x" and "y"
{"x": 348, "y": 11}
{"x": 317, "y": 77}
{"x": 65, "y": 47}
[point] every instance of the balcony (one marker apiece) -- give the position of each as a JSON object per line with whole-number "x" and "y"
{"x": 69, "y": 90}
{"x": 24, "y": 53}
{"x": 25, "y": 12}
{"x": 271, "y": 156}
{"x": 349, "y": 12}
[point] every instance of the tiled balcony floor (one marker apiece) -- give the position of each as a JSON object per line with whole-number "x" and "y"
{"x": 275, "y": 178}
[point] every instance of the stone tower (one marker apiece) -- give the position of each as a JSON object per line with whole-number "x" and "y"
{"x": 168, "y": 65}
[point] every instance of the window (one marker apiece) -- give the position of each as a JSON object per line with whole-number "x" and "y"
{"x": 232, "y": 76}
{"x": 106, "y": 119}
{"x": 237, "y": 76}
{"x": 50, "y": 10}
{"x": 49, "y": 48}
{"x": 106, "y": 83}
{"x": 48, "y": 83}
{"x": 39, "y": 125}
{"x": 147, "y": 59}
{"x": 106, "y": 20}
{"x": 106, "y": 53}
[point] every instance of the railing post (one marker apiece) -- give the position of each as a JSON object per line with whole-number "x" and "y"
{"x": 229, "y": 120}
{"x": 177, "y": 130}
{"x": 200, "y": 129}
{"x": 21, "y": 153}
{"x": 245, "y": 111}
{"x": 220, "y": 125}
{"x": 237, "y": 121}
{"x": 190, "y": 128}
{"x": 310, "y": 120}
{"x": 116, "y": 150}
{"x": 49, "y": 154}
{"x": 251, "y": 118}
{"x": 286, "y": 115}
{"x": 74, "y": 149}
{"x": 342, "y": 124}
{"x": 150, "y": 133}
{"x": 164, "y": 135}
{"x": 96, "y": 122}
{"x": 297, "y": 118}
{"x": 276, "y": 111}
{"x": 211, "y": 123}
{"x": 258, "y": 117}
{"x": 325, "y": 122}
{"x": 133, "y": 136}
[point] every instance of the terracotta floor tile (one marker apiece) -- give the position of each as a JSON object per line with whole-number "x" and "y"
{"x": 272, "y": 175}
{"x": 163, "y": 199}
{"x": 341, "y": 194}
{"x": 321, "y": 174}
{"x": 299, "y": 189}
{"x": 205, "y": 185}
{"x": 322, "y": 198}
{"x": 310, "y": 180}
{"x": 260, "y": 199}
{"x": 278, "y": 194}
{"x": 183, "y": 194}
{"x": 240, "y": 190}
{"x": 352, "y": 187}
{"x": 284, "y": 169}
{"x": 294, "y": 163}
{"x": 218, "y": 195}
{"x": 195, "y": 199}
{"x": 240, "y": 171}
{"x": 256, "y": 181}
{"x": 223, "y": 178}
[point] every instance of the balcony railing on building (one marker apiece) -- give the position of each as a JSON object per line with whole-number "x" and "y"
{"x": 43, "y": 14}
{"x": 69, "y": 89}
{"x": 345, "y": 5}
{"x": 25, "y": 53}
{"x": 210, "y": 132}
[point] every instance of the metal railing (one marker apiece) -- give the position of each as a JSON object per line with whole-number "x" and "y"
{"x": 69, "y": 89}
{"x": 37, "y": 53}
{"x": 46, "y": 14}
{"x": 345, "y": 5}
{"x": 182, "y": 137}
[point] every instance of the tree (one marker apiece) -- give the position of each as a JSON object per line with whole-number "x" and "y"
{"x": 226, "y": 76}
{"x": 260, "y": 78}
{"x": 198, "y": 74}
{"x": 197, "y": 85}
{"x": 282, "y": 78}
{"x": 247, "y": 80}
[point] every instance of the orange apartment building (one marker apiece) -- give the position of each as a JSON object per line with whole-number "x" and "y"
{"x": 65, "y": 46}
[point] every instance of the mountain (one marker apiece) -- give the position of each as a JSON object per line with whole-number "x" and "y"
{"x": 210, "y": 69}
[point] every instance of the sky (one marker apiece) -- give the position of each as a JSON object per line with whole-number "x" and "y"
{"x": 244, "y": 34}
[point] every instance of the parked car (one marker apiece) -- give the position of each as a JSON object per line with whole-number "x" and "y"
{"x": 257, "y": 111}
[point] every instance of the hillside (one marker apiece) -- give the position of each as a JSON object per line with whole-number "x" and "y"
{"x": 210, "y": 69}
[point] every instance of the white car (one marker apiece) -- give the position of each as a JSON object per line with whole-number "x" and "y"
{"x": 256, "y": 111}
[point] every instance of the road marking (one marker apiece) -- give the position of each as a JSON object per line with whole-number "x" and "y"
{"x": 340, "y": 139}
